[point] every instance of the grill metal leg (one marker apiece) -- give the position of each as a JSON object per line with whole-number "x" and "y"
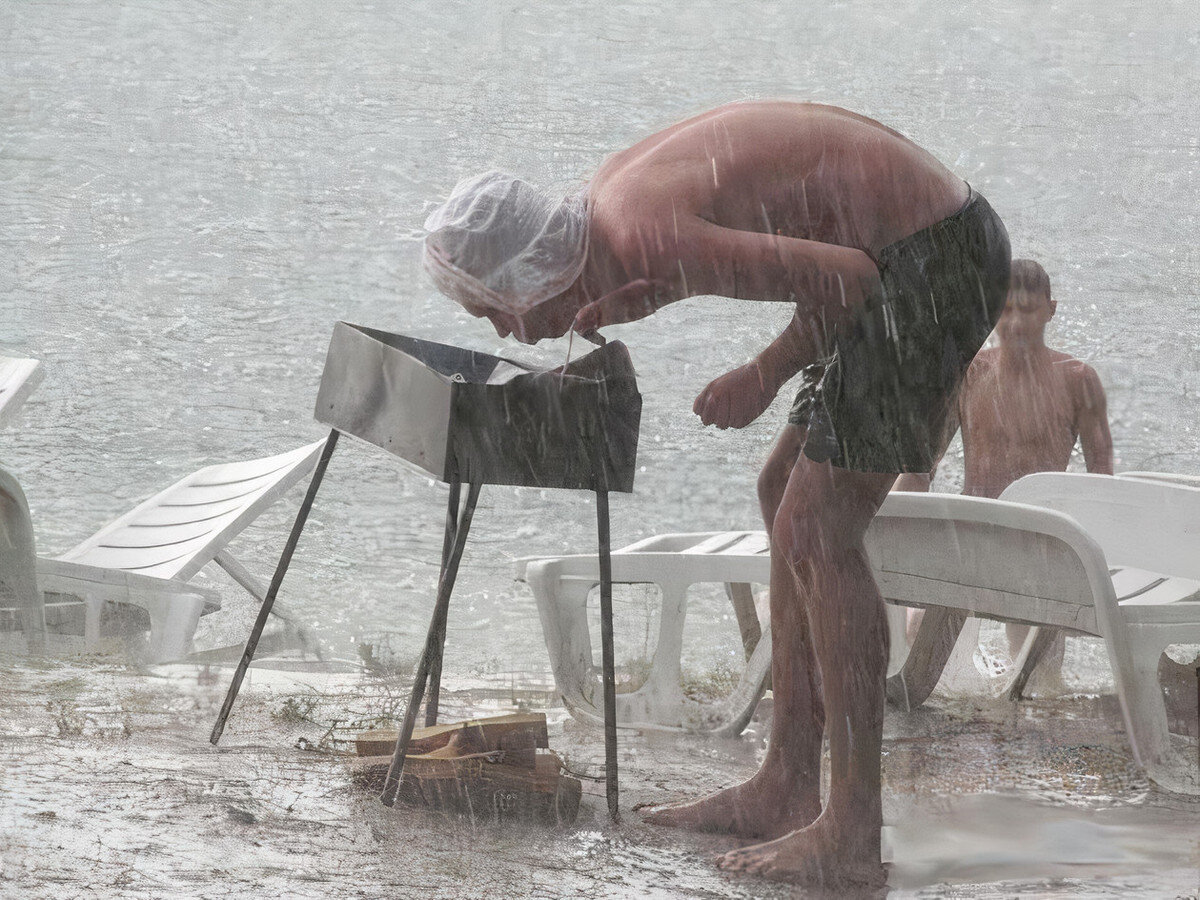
{"x": 435, "y": 664}
{"x": 433, "y": 642}
{"x": 264, "y": 611}
{"x": 607, "y": 656}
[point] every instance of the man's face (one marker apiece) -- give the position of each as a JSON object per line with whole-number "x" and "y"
{"x": 1025, "y": 316}
{"x": 549, "y": 319}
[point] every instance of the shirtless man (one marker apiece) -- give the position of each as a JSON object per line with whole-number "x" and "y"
{"x": 1022, "y": 408}
{"x": 897, "y": 271}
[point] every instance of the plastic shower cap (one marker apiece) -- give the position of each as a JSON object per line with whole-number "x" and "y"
{"x": 499, "y": 242}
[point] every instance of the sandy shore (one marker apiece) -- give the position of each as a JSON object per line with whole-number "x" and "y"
{"x": 111, "y": 789}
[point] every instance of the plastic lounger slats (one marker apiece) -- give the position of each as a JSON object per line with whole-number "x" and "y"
{"x": 178, "y": 531}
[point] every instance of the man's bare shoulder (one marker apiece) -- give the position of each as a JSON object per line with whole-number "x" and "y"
{"x": 1083, "y": 381}
{"x": 1074, "y": 369}
{"x": 985, "y": 361}
{"x": 1064, "y": 359}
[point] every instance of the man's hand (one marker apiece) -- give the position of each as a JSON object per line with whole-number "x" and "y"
{"x": 633, "y": 301}
{"x": 735, "y": 399}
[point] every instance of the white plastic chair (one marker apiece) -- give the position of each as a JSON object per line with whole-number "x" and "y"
{"x": 1170, "y": 477}
{"x": 147, "y": 556}
{"x": 1102, "y": 556}
{"x": 18, "y": 379}
{"x": 675, "y": 563}
{"x": 1039, "y": 640}
{"x": 17, "y": 563}
{"x": 1012, "y": 562}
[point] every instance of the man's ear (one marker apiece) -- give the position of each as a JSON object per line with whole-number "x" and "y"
{"x": 1053, "y": 308}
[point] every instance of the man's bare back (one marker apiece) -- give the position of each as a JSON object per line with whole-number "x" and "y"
{"x": 687, "y": 209}
{"x": 782, "y": 168}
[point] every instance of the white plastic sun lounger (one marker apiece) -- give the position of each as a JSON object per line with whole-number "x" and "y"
{"x": 147, "y": 556}
{"x": 1148, "y": 525}
{"x": 18, "y": 562}
{"x": 18, "y": 379}
{"x": 1171, "y": 477}
{"x": 1039, "y": 640}
{"x": 675, "y": 563}
{"x": 1109, "y": 557}
{"x": 941, "y": 628}
{"x": 991, "y": 558}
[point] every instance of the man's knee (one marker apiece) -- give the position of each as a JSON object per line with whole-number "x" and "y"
{"x": 773, "y": 479}
{"x": 826, "y": 512}
{"x": 801, "y": 533}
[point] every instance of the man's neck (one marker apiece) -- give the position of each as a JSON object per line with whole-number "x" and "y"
{"x": 1023, "y": 350}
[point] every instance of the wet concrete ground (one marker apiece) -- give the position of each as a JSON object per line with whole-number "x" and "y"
{"x": 111, "y": 789}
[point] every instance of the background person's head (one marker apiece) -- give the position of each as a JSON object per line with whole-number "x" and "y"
{"x": 1029, "y": 306}
{"x": 510, "y": 252}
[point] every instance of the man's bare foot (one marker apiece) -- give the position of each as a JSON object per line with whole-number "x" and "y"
{"x": 815, "y": 856}
{"x": 761, "y": 808}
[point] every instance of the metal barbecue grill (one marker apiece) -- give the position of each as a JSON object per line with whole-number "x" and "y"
{"x": 472, "y": 418}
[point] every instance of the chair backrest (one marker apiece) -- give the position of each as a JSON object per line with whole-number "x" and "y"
{"x": 1172, "y": 477}
{"x": 1143, "y": 523}
{"x": 177, "y": 532}
{"x": 996, "y": 559}
{"x": 18, "y": 378}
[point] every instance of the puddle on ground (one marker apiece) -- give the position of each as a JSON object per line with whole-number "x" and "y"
{"x": 109, "y": 779}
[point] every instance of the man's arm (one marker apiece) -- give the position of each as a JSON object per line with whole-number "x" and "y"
{"x": 704, "y": 258}
{"x": 739, "y": 397}
{"x": 1091, "y": 420}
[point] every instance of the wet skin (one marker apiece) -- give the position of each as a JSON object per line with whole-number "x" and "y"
{"x": 782, "y": 202}
{"x": 1022, "y": 407}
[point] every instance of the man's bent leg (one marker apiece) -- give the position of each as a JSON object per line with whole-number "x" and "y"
{"x": 772, "y": 482}
{"x": 828, "y": 511}
{"x": 776, "y": 472}
{"x": 785, "y": 794}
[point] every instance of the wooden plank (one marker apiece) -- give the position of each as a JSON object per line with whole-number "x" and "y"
{"x": 473, "y": 786}
{"x": 491, "y": 733}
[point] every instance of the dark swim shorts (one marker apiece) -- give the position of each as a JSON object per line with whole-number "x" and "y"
{"x": 879, "y": 403}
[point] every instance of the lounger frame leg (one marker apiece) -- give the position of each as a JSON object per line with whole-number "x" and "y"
{"x": 435, "y": 664}
{"x": 927, "y": 657}
{"x": 433, "y": 644}
{"x": 264, "y": 611}
{"x": 607, "y": 656}
{"x": 741, "y": 595}
{"x": 1037, "y": 642}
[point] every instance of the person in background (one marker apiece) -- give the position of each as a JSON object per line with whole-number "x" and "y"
{"x": 1022, "y": 409}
